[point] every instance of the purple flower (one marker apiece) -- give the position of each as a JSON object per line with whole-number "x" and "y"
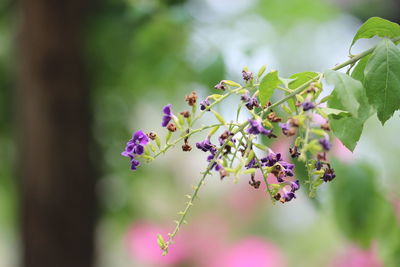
{"x": 329, "y": 175}
{"x": 257, "y": 128}
{"x": 134, "y": 163}
{"x": 251, "y": 102}
{"x": 220, "y": 86}
{"x": 271, "y": 159}
{"x": 295, "y": 185}
{"x": 324, "y": 142}
{"x": 135, "y": 146}
{"x": 167, "y": 115}
{"x": 206, "y": 145}
{"x": 287, "y": 196}
{"x": 307, "y": 105}
{"x": 251, "y": 164}
{"x": 247, "y": 75}
{"x": 204, "y": 104}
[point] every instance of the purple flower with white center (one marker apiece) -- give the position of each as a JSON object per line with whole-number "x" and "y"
{"x": 295, "y": 185}
{"x": 287, "y": 196}
{"x": 168, "y": 115}
{"x": 204, "y": 104}
{"x": 288, "y": 168}
{"x": 135, "y": 146}
{"x": 257, "y": 128}
{"x": 206, "y": 146}
{"x": 307, "y": 105}
{"x": 324, "y": 142}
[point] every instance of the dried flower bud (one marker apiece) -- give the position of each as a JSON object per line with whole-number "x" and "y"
{"x": 152, "y": 135}
{"x": 294, "y": 152}
{"x": 171, "y": 127}
{"x": 253, "y": 182}
{"x": 186, "y": 147}
{"x": 223, "y": 173}
{"x": 185, "y": 114}
{"x": 273, "y": 118}
{"x": 191, "y": 99}
{"x": 294, "y": 122}
{"x": 326, "y": 127}
{"x": 321, "y": 156}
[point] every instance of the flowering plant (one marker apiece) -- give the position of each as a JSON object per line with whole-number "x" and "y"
{"x": 370, "y": 85}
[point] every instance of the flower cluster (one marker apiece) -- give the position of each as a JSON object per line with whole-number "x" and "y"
{"x": 234, "y": 151}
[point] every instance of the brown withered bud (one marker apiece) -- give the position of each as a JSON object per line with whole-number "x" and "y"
{"x": 277, "y": 196}
{"x": 326, "y": 127}
{"x": 277, "y": 170}
{"x": 294, "y": 152}
{"x": 223, "y": 173}
{"x": 294, "y": 122}
{"x": 228, "y": 149}
{"x": 191, "y": 99}
{"x": 253, "y": 182}
{"x": 291, "y": 131}
{"x": 224, "y": 135}
{"x": 171, "y": 127}
{"x": 273, "y": 118}
{"x": 321, "y": 156}
{"x": 186, "y": 147}
{"x": 267, "y": 105}
{"x": 311, "y": 89}
{"x": 152, "y": 135}
{"x": 185, "y": 114}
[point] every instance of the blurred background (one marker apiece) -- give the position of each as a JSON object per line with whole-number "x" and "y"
{"x": 78, "y": 77}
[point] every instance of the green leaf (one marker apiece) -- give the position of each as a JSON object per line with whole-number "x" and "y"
{"x": 376, "y": 27}
{"x": 382, "y": 79}
{"x": 334, "y": 111}
{"x": 349, "y": 128}
{"x": 358, "y": 71}
{"x": 267, "y": 86}
{"x": 346, "y": 90}
{"x": 301, "y": 78}
{"x": 357, "y": 203}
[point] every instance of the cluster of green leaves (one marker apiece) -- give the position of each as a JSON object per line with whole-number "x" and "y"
{"x": 373, "y": 86}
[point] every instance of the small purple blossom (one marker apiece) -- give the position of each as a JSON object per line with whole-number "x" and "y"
{"x": 257, "y": 128}
{"x": 247, "y": 75}
{"x": 167, "y": 115}
{"x": 287, "y": 196}
{"x": 251, "y": 164}
{"x": 295, "y": 185}
{"x": 307, "y": 105}
{"x": 329, "y": 175}
{"x": 271, "y": 159}
{"x": 324, "y": 142}
{"x": 204, "y": 104}
{"x": 220, "y": 86}
{"x": 206, "y": 146}
{"x": 251, "y": 102}
{"x": 134, "y": 147}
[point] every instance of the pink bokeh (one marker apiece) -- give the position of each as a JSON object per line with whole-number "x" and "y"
{"x": 356, "y": 257}
{"x": 142, "y": 245}
{"x": 251, "y": 251}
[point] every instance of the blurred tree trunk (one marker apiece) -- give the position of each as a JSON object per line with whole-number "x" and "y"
{"x": 53, "y": 129}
